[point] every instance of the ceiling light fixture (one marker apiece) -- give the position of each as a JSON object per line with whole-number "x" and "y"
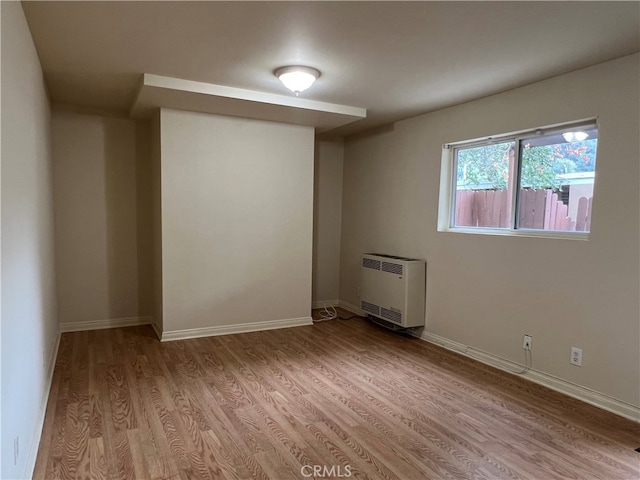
{"x": 575, "y": 136}
{"x": 297, "y": 78}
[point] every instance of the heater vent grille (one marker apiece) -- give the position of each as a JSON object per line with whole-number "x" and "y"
{"x": 392, "y": 268}
{"x": 392, "y": 316}
{"x": 370, "y": 307}
{"x": 371, "y": 263}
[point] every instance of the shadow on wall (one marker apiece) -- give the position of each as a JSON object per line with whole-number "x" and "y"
{"x": 144, "y": 218}
{"x": 124, "y": 233}
{"x": 314, "y": 251}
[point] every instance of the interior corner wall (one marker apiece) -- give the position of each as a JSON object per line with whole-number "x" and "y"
{"x": 237, "y": 210}
{"x": 487, "y": 291}
{"x": 327, "y": 221}
{"x": 144, "y": 218}
{"x": 29, "y": 325}
{"x": 155, "y": 176}
{"x": 96, "y": 213}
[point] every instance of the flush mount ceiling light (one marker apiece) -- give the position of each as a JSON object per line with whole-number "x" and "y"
{"x": 575, "y": 136}
{"x": 297, "y": 78}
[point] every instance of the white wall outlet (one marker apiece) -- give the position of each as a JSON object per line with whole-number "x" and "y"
{"x": 576, "y": 356}
{"x": 526, "y": 342}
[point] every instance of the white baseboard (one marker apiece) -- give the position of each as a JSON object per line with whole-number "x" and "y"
{"x": 238, "y": 328}
{"x": 101, "y": 324}
{"x": 322, "y": 303}
{"x": 35, "y": 442}
{"x": 600, "y": 400}
{"x": 352, "y": 308}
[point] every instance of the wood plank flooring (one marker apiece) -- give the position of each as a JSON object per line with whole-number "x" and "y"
{"x": 347, "y": 396}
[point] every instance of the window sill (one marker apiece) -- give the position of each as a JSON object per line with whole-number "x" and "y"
{"x": 505, "y": 232}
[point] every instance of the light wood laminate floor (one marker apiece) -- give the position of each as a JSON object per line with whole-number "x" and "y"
{"x": 341, "y": 394}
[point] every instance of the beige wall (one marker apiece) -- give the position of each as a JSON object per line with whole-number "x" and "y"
{"x": 487, "y": 291}
{"x": 96, "y": 211}
{"x": 237, "y": 206}
{"x": 144, "y": 218}
{"x": 156, "y": 222}
{"x": 29, "y": 325}
{"x": 327, "y": 221}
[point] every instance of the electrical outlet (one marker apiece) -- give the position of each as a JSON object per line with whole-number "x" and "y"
{"x": 576, "y": 356}
{"x": 526, "y": 342}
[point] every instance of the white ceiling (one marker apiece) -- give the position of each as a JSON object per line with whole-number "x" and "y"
{"x": 395, "y": 59}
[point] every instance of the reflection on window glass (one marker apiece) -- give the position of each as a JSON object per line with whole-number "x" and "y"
{"x": 556, "y": 181}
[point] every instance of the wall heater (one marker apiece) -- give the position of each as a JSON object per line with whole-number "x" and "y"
{"x": 393, "y": 289}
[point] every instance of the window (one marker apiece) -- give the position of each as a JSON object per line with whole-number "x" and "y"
{"x": 536, "y": 181}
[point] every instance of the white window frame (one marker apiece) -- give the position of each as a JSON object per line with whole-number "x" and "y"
{"x": 448, "y": 175}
